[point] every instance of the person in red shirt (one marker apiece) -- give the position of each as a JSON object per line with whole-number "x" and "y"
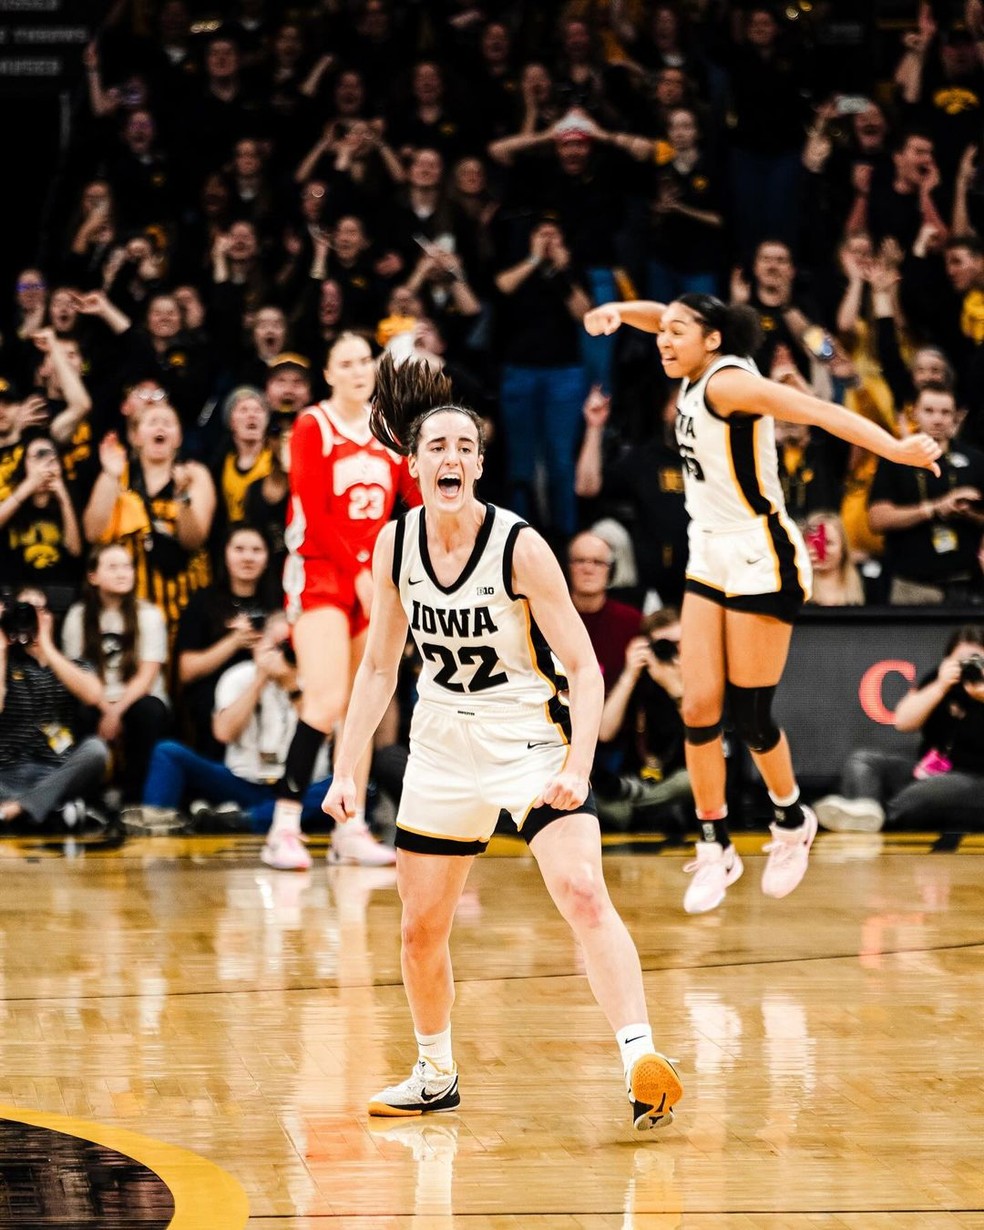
{"x": 343, "y": 485}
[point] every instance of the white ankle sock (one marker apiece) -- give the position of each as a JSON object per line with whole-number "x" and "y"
{"x": 436, "y": 1049}
{"x": 788, "y": 801}
{"x": 286, "y": 817}
{"x": 634, "y": 1041}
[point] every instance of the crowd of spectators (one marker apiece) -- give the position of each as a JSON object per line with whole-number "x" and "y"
{"x": 463, "y": 180}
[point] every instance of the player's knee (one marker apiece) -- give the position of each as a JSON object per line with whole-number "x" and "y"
{"x": 751, "y": 712}
{"x": 701, "y": 713}
{"x": 422, "y": 931}
{"x": 585, "y": 898}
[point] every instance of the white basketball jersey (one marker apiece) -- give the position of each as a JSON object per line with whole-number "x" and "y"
{"x": 730, "y": 467}
{"x": 477, "y": 638}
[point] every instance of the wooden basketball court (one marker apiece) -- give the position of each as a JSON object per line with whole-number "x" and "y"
{"x": 224, "y": 1024}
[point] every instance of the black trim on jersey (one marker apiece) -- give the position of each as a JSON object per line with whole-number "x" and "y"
{"x": 543, "y": 657}
{"x": 784, "y": 605}
{"x": 421, "y": 843}
{"x": 481, "y": 542}
{"x": 541, "y": 816}
{"x": 735, "y": 414}
{"x": 741, "y": 445}
{"x": 507, "y": 559}
{"x": 401, "y": 526}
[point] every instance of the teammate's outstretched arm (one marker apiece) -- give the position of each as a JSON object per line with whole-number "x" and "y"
{"x": 733, "y": 389}
{"x": 375, "y": 680}
{"x": 538, "y": 576}
{"x": 644, "y": 314}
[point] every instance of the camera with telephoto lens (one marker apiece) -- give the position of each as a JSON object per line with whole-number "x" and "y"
{"x": 19, "y": 622}
{"x": 665, "y": 650}
{"x": 972, "y": 669}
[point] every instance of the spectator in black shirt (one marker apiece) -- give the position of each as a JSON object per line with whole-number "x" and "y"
{"x": 641, "y": 484}
{"x": 642, "y": 720}
{"x": 543, "y": 381}
{"x": 41, "y": 764}
{"x": 902, "y": 202}
{"x": 220, "y": 627}
{"x": 686, "y": 249}
{"x": 769, "y": 103}
{"x": 932, "y": 525}
{"x": 40, "y": 539}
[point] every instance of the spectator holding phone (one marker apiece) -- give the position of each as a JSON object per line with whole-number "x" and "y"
{"x": 836, "y": 581}
{"x": 932, "y": 525}
{"x": 40, "y": 539}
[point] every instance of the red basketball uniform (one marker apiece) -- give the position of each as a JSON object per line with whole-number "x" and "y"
{"x": 343, "y": 485}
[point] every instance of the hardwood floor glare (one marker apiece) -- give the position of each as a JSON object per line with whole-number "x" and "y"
{"x": 829, "y": 1043}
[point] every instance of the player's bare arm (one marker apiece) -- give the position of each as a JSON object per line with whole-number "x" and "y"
{"x": 644, "y": 314}
{"x": 538, "y": 576}
{"x": 732, "y": 390}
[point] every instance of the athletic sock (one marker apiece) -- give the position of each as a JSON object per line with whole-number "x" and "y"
{"x": 714, "y": 826}
{"x": 634, "y": 1041}
{"x": 286, "y": 817}
{"x": 436, "y": 1049}
{"x": 788, "y": 811}
{"x": 301, "y": 755}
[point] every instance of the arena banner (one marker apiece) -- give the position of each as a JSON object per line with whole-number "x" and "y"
{"x": 847, "y": 671}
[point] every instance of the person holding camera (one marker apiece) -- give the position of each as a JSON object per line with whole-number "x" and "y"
{"x": 220, "y": 628}
{"x": 945, "y": 786}
{"x": 42, "y": 763}
{"x": 125, "y": 641}
{"x": 253, "y": 723}
{"x": 932, "y": 523}
{"x": 642, "y": 715}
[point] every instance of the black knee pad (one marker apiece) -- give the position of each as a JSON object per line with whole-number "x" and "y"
{"x": 751, "y": 712}
{"x": 702, "y": 734}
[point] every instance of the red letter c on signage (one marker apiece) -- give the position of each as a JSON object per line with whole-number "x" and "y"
{"x": 872, "y": 684}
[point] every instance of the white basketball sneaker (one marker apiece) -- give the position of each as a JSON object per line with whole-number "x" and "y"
{"x": 353, "y": 843}
{"x": 714, "y": 868}
{"x": 284, "y": 850}
{"x": 425, "y": 1090}
{"x": 789, "y": 853}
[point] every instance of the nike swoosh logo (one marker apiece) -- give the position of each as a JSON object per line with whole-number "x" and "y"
{"x": 430, "y": 1097}
{"x": 419, "y": 581}
{"x": 547, "y": 744}
{"x": 639, "y": 1039}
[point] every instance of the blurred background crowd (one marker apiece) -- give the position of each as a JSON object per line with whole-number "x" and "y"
{"x": 229, "y": 189}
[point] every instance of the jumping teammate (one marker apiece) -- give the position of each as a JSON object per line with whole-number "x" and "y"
{"x": 748, "y": 571}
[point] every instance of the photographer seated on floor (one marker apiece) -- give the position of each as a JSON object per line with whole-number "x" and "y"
{"x": 43, "y": 769}
{"x": 944, "y": 787}
{"x": 642, "y": 726}
{"x": 254, "y": 718}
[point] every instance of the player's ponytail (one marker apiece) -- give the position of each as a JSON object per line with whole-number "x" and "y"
{"x": 741, "y": 332}
{"x": 405, "y": 395}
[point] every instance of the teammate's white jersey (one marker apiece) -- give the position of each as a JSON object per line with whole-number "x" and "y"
{"x": 730, "y": 469}
{"x": 482, "y": 651}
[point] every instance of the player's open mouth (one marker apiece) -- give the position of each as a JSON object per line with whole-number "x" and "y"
{"x": 450, "y": 484}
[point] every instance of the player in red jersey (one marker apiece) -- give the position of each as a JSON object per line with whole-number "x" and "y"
{"x": 343, "y": 486}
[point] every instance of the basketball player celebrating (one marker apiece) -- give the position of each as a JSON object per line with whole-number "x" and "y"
{"x": 748, "y": 571}
{"x": 343, "y": 485}
{"x": 488, "y": 607}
